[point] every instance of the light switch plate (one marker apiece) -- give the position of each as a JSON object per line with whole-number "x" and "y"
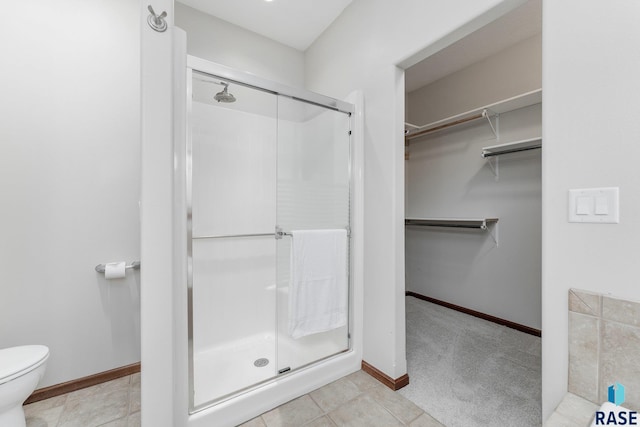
{"x": 594, "y": 205}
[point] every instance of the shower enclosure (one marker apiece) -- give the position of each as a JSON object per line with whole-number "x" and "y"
{"x": 262, "y": 161}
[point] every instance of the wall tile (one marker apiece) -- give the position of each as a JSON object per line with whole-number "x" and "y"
{"x": 621, "y": 310}
{"x": 583, "y": 356}
{"x": 558, "y": 420}
{"x": 604, "y": 348}
{"x": 584, "y": 302}
{"x": 620, "y": 361}
{"x": 577, "y": 409}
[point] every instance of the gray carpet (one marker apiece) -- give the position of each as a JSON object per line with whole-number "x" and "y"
{"x": 468, "y": 372}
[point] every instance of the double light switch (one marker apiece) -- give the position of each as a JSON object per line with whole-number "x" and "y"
{"x": 594, "y": 205}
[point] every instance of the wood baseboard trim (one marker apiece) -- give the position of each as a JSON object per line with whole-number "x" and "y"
{"x": 385, "y": 379}
{"x": 490, "y": 318}
{"x": 73, "y": 385}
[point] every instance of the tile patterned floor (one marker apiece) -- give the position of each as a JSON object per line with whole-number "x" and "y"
{"x": 112, "y": 404}
{"x": 356, "y": 400}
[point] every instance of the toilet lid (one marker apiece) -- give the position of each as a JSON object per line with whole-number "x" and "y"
{"x": 15, "y": 360}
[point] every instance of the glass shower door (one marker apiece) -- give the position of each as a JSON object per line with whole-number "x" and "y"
{"x": 313, "y": 193}
{"x": 233, "y": 296}
{"x": 260, "y": 162}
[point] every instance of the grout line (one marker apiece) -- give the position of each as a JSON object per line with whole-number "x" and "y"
{"x": 314, "y": 401}
{"x": 601, "y": 305}
{"x": 331, "y": 420}
{"x": 390, "y": 413}
{"x": 419, "y": 415}
{"x": 64, "y": 407}
{"x": 586, "y": 305}
{"x": 117, "y": 419}
{"x": 129, "y": 395}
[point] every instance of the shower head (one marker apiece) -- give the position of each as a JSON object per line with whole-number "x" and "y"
{"x": 224, "y": 96}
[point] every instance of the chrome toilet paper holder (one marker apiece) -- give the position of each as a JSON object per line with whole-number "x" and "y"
{"x": 135, "y": 265}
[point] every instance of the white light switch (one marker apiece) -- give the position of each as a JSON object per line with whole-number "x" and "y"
{"x": 602, "y": 206}
{"x": 594, "y": 205}
{"x": 583, "y": 206}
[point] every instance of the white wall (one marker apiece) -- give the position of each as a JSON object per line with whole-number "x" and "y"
{"x": 70, "y": 182}
{"x": 510, "y": 72}
{"x": 219, "y": 41}
{"x": 591, "y": 133}
{"x": 360, "y": 50}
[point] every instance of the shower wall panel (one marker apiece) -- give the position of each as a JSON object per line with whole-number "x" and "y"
{"x": 234, "y": 189}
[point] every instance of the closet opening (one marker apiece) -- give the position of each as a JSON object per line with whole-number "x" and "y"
{"x": 473, "y": 141}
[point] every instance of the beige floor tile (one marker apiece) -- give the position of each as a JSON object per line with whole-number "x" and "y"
{"x": 134, "y": 420}
{"x": 334, "y": 394}
{"x": 117, "y": 404}
{"x": 48, "y": 417}
{"x": 134, "y": 394}
{"x": 400, "y": 407}
{"x": 45, "y": 413}
{"x": 293, "y": 414}
{"x": 95, "y": 409}
{"x": 136, "y": 379}
{"x": 363, "y": 411}
{"x": 122, "y": 422}
{"x": 34, "y": 408}
{"x": 364, "y": 381}
{"x": 425, "y": 420}
{"x": 321, "y": 422}
{"x": 256, "y": 422}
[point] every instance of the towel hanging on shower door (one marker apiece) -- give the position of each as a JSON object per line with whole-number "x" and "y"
{"x": 318, "y": 291}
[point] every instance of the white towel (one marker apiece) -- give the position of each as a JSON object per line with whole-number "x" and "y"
{"x": 318, "y": 291}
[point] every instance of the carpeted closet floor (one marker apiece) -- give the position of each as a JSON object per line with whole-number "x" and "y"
{"x": 469, "y": 372}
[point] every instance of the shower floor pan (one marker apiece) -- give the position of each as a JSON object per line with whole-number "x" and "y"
{"x": 227, "y": 369}
{"x": 223, "y": 370}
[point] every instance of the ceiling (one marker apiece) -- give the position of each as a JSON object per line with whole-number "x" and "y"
{"x": 516, "y": 26}
{"x": 295, "y": 23}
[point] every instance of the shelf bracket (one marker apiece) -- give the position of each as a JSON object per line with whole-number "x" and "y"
{"x": 494, "y": 164}
{"x": 486, "y": 114}
{"x": 494, "y": 230}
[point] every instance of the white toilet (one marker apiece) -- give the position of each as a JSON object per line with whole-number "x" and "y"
{"x": 21, "y": 368}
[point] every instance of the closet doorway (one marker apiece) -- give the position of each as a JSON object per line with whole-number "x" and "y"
{"x": 473, "y": 141}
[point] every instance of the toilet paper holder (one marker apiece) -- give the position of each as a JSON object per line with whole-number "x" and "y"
{"x": 134, "y": 265}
